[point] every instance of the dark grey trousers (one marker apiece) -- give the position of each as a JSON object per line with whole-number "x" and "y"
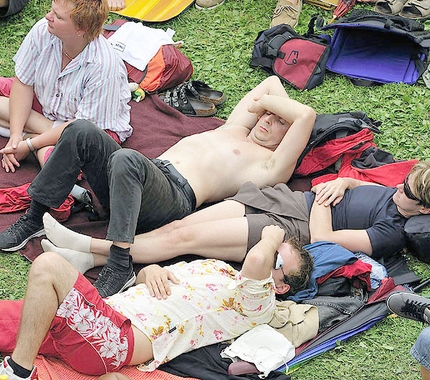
{"x": 137, "y": 194}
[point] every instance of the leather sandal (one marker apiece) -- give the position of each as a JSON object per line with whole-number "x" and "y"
{"x": 203, "y": 92}
{"x": 416, "y": 9}
{"x": 389, "y": 7}
{"x": 183, "y": 100}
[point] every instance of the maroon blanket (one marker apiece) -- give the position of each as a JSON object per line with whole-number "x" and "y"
{"x": 156, "y": 128}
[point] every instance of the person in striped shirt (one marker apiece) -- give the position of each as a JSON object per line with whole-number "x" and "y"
{"x": 64, "y": 70}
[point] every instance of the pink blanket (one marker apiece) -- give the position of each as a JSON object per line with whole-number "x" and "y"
{"x": 156, "y": 128}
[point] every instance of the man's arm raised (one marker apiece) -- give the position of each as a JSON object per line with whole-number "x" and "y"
{"x": 241, "y": 116}
{"x": 301, "y": 119}
{"x": 260, "y": 259}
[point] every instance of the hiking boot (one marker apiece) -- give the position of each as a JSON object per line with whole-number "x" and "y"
{"x": 410, "y": 305}
{"x": 6, "y": 369}
{"x": 286, "y": 13}
{"x": 111, "y": 281}
{"x": 19, "y": 233}
{"x": 208, "y": 4}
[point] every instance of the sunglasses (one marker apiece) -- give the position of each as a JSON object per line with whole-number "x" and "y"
{"x": 279, "y": 263}
{"x": 408, "y": 192}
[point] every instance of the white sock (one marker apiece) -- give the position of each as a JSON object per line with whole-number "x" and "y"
{"x": 82, "y": 261}
{"x": 62, "y": 237}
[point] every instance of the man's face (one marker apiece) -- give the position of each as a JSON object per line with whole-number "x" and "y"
{"x": 269, "y": 130}
{"x": 288, "y": 262}
{"x": 407, "y": 202}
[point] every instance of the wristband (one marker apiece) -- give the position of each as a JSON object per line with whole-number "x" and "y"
{"x": 30, "y": 145}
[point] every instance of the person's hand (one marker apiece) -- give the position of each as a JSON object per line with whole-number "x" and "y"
{"x": 330, "y": 193}
{"x": 157, "y": 281}
{"x": 14, "y": 152}
{"x": 256, "y": 106}
{"x": 275, "y": 233}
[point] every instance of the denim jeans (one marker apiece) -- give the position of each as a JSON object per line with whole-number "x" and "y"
{"x": 136, "y": 193}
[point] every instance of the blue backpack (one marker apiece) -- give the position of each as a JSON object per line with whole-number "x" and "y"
{"x": 371, "y": 48}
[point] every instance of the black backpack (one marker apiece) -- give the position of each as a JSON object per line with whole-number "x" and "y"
{"x": 298, "y": 60}
{"x": 333, "y": 126}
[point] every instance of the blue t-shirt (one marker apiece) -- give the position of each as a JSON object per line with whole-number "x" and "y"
{"x": 370, "y": 208}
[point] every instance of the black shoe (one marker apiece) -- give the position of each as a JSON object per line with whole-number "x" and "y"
{"x": 410, "y": 305}
{"x": 111, "y": 281}
{"x": 19, "y": 233}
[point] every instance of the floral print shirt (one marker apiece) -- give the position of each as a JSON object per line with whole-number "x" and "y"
{"x": 212, "y": 303}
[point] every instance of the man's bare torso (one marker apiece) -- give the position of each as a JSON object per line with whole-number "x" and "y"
{"x": 217, "y": 163}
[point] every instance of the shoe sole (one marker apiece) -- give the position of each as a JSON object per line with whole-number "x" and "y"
{"x": 208, "y": 8}
{"x": 128, "y": 283}
{"x": 21, "y": 245}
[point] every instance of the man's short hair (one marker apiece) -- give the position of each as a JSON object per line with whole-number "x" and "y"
{"x": 298, "y": 280}
{"x": 421, "y": 185}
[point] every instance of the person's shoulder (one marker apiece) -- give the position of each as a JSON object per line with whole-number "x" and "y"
{"x": 102, "y": 52}
{"x": 40, "y": 27}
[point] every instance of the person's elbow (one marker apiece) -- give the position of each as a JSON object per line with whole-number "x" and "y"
{"x": 318, "y": 236}
{"x": 309, "y": 115}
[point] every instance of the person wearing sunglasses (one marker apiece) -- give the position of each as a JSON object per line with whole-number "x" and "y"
{"x": 64, "y": 316}
{"x": 360, "y": 216}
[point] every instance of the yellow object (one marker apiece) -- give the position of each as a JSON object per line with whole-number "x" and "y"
{"x": 3, "y": 377}
{"x": 154, "y": 10}
{"x": 137, "y": 96}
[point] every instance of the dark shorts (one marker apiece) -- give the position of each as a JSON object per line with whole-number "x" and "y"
{"x": 276, "y": 205}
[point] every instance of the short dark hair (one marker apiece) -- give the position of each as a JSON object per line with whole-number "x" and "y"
{"x": 298, "y": 280}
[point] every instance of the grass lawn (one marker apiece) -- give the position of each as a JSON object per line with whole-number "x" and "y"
{"x": 219, "y": 43}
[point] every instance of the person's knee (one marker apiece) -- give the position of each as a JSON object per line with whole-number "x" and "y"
{"x": 180, "y": 235}
{"x": 45, "y": 265}
{"x": 80, "y": 131}
{"x": 423, "y": 341}
{"x": 124, "y": 162}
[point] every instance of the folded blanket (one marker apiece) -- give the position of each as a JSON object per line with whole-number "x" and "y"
{"x": 55, "y": 369}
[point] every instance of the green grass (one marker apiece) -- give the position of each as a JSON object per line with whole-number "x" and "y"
{"x": 219, "y": 43}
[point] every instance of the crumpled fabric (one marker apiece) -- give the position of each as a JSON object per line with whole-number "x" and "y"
{"x": 14, "y": 199}
{"x": 297, "y": 322}
{"x": 262, "y": 346}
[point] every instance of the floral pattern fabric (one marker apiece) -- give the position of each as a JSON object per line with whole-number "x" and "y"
{"x": 95, "y": 328}
{"x": 212, "y": 303}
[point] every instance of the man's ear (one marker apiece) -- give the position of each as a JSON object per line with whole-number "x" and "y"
{"x": 425, "y": 210}
{"x": 282, "y": 289}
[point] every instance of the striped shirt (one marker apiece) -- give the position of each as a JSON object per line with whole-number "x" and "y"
{"x": 93, "y": 86}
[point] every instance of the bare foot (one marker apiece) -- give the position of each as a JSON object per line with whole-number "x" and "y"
{"x": 114, "y": 5}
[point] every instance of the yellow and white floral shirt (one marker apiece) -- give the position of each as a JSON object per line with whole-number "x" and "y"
{"x": 212, "y": 303}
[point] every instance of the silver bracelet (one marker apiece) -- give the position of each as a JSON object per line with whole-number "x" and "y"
{"x": 30, "y": 145}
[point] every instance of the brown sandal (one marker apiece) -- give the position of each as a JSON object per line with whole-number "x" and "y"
{"x": 416, "y": 10}
{"x": 389, "y": 7}
{"x": 182, "y": 99}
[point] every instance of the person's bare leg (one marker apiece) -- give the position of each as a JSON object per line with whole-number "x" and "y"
{"x": 425, "y": 373}
{"x": 224, "y": 239}
{"x": 222, "y": 210}
{"x": 218, "y": 231}
{"x": 50, "y": 280}
{"x": 62, "y": 237}
{"x": 36, "y": 123}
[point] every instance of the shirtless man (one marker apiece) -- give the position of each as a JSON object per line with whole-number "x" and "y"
{"x": 143, "y": 194}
